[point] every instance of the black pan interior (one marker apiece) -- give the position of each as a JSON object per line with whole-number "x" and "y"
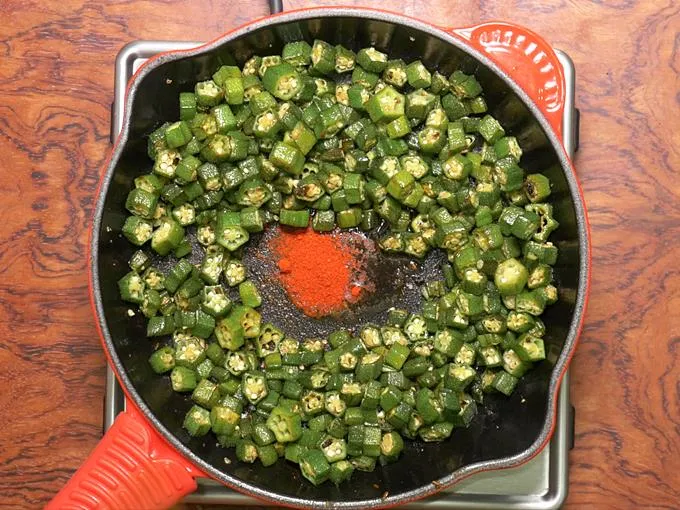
{"x": 504, "y": 427}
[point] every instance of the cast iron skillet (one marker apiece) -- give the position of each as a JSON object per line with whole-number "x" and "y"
{"x": 147, "y": 460}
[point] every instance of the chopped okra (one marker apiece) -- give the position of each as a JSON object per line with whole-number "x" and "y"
{"x": 333, "y": 137}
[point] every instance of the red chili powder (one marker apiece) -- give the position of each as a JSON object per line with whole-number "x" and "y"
{"x": 321, "y": 272}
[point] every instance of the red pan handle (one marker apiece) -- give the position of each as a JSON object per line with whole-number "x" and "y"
{"x": 526, "y": 58}
{"x": 132, "y": 467}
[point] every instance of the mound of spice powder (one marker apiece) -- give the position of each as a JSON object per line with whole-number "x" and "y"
{"x": 322, "y": 273}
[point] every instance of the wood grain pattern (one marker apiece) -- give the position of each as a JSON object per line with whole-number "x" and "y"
{"x": 56, "y": 85}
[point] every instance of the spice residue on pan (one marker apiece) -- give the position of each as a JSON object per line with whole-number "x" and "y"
{"x": 390, "y": 281}
{"x": 323, "y": 273}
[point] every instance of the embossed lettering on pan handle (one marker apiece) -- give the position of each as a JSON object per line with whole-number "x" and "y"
{"x": 131, "y": 468}
{"x": 526, "y": 58}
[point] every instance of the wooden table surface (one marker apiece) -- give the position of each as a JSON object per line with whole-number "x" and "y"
{"x": 56, "y": 86}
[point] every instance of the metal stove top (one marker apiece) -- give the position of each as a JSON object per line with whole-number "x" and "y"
{"x": 540, "y": 484}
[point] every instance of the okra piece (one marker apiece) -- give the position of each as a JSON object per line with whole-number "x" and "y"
{"x": 150, "y": 183}
{"x": 340, "y": 472}
{"x": 510, "y": 277}
{"x": 206, "y": 394}
{"x": 439, "y": 84}
{"x": 351, "y": 393}
{"x": 297, "y": 53}
{"x": 372, "y": 60}
{"x": 301, "y": 137}
{"x": 174, "y": 194}
{"x": 349, "y": 218}
{"x": 314, "y": 466}
{"x": 464, "y": 85}
{"x": 137, "y": 230}
{"x": 508, "y": 175}
{"x": 549, "y": 294}
{"x": 398, "y": 128}
{"x": 224, "y": 420}
{"x": 215, "y": 353}
{"x": 254, "y": 386}
{"x": 177, "y": 134}
{"x": 312, "y": 403}
{"x": 534, "y": 253}
{"x": 266, "y": 124}
{"x": 131, "y": 288}
{"x": 187, "y": 105}
{"x": 234, "y": 272}
{"x": 400, "y": 185}
{"x": 252, "y": 219}
{"x": 268, "y": 341}
{"x": 431, "y": 140}
{"x": 197, "y": 421}
{"x": 529, "y": 348}
{"x": 249, "y": 294}
{"x": 457, "y": 167}
{"x": 547, "y": 224}
{"x": 229, "y": 333}
{"x": 253, "y": 193}
{"x": 399, "y": 416}
{"x": 246, "y": 451}
{"x": 189, "y": 352}
{"x": 369, "y": 367}
{"x": 391, "y": 445}
{"x": 504, "y": 382}
{"x": 540, "y": 276}
{"x": 448, "y": 342}
{"x": 436, "y": 432}
{"x": 458, "y": 376}
{"x": 183, "y": 379}
{"x": 323, "y": 221}
{"x": 477, "y": 105}
{"x": 204, "y": 324}
{"x": 436, "y": 118}
{"x": 371, "y": 441}
{"x": 395, "y": 73}
{"x": 268, "y": 454}
{"x": 298, "y": 219}
{"x": 491, "y": 129}
{"x": 455, "y": 108}
{"x": 418, "y": 76}
{"x": 162, "y": 360}
{"x": 334, "y": 449}
{"x": 229, "y": 233}
{"x": 250, "y": 320}
{"x": 418, "y": 365}
{"x": 490, "y": 355}
{"x": 322, "y": 57}
{"x": 358, "y": 96}
{"x": 386, "y": 105}
{"x": 262, "y": 435}
{"x": 507, "y": 147}
{"x": 287, "y": 157}
{"x": 537, "y": 187}
{"x": 309, "y": 189}
{"x": 208, "y": 93}
{"x": 282, "y": 81}
{"x": 429, "y": 406}
{"x": 319, "y": 423}
{"x": 141, "y": 203}
{"x": 224, "y": 73}
{"x": 203, "y": 125}
{"x": 415, "y": 245}
{"x": 266, "y": 63}
{"x": 329, "y": 121}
